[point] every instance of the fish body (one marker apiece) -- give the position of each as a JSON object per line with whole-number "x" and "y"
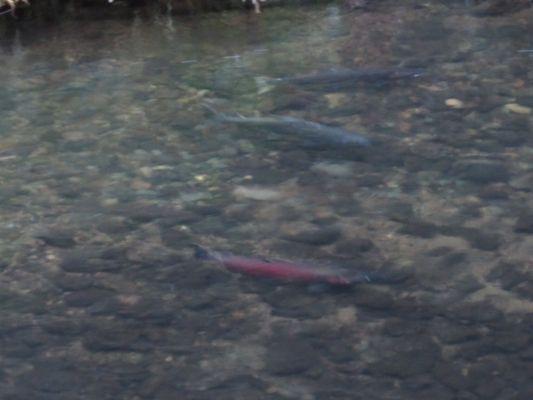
{"x": 370, "y": 75}
{"x": 342, "y": 78}
{"x": 279, "y": 269}
{"x": 307, "y": 129}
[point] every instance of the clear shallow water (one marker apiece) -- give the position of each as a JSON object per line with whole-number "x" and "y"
{"x": 111, "y": 167}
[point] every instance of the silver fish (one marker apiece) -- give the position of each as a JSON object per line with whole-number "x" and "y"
{"x": 341, "y": 78}
{"x": 354, "y": 75}
{"x": 307, "y": 129}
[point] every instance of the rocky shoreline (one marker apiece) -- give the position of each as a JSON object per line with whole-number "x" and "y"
{"x": 46, "y": 9}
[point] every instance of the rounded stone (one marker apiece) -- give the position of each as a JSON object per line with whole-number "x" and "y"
{"x": 62, "y": 327}
{"x": 311, "y": 234}
{"x": 482, "y": 172}
{"x": 418, "y": 228}
{"x": 86, "y": 297}
{"x": 289, "y": 356}
{"x": 115, "y": 225}
{"x": 408, "y": 359}
{"x": 91, "y": 260}
{"x": 354, "y": 246}
{"x": 454, "y": 103}
{"x": 57, "y": 238}
{"x": 475, "y": 312}
{"x": 373, "y": 297}
{"x": 524, "y": 224}
{"x": 73, "y": 282}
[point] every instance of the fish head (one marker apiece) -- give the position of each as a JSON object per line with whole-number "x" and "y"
{"x": 409, "y": 73}
{"x": 201, "y": 253}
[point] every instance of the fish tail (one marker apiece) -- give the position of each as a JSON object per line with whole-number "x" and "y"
{"x": 361, "y": 277}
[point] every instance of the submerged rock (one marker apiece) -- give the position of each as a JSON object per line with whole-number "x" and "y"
{"x": 354, "y": 247}
{"x": 499, "y": 7}
{"x": 90, "y": 261}
{"x": 57, "y": 238}
{"x": 73, "y": 282}
{"x": 477, "y": 238}
{"x": 524, "y": 224}
{"x": 517, "y": 108}
{"x": 481, "y": 312}
{"x": 86, "y": 297}
{"x": 336, "y": 170}
{"x": 113, "y": 335}
{"x": 408, "y": 358}
{"x": 311, "y": 234}
{"x": 115, "y": 225}
{"x": 256, "y": 193}
{"x": 482, "y": 172}
{"x": 288, "y": 356}
{"x": 418, "y": 228}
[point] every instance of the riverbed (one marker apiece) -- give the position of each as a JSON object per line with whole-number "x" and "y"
{"x": 112, "y": 165}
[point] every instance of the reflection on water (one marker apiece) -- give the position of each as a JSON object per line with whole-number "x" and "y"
{"x": 111, "y": 167}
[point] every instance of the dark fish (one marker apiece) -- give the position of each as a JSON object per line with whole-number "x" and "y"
{"x": 283, "y": 270}
{"x": 297, "y": 126}
{"x": 343, "y": 78}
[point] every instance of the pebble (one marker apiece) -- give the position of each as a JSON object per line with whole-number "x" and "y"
{"x": 335, "y": 170}
{"x": 73, "y": 282}
{"x": 147, "y": 212}
{"x": 494, "y": 192}
{"x": 61, "y": 327}
{"x": 477, "y": 238}
{"x": 454, "y": 103}
{"x": 51, "y": 379}
{"x": 146, "y": 171}
{"x": 311, "y": 234}
{"x": 288, "y": 356}
{"x": 174, "y": 238}
{"x": 335, "y": 100}
{"x": 418, "y": 228}
{"x": 452, "y": 374}
{"x": 373, "y": 297}
{"x": 482, "y": 172}
{"x": 449, "y": 333}
{"x": 88, "y": 261}
{"x": 524, "y": 224}
{"x": 256, "y": 193}
{"x": 338, "y": 351}
{"x": 407, "y": 358}
{"x": 86, "y": 297}
{"x": 354, "y": 247}
{"x": 57, "y": 238}
{"x": 109, "y": 202}
{"x": 111, "y": 335}
{"x": 523, "y": 182}
{"x": 475, "y": 312}
{"x": 115, "y": 225}
{"x": 507, "y": 275}
{"x": 517, "y": 108}
{"x": 400, "y": 211}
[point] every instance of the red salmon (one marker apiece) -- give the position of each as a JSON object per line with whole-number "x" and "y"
{"x": 279, "y": 269}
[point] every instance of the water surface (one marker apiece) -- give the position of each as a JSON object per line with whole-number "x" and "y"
{"x": 111, "y": 166}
